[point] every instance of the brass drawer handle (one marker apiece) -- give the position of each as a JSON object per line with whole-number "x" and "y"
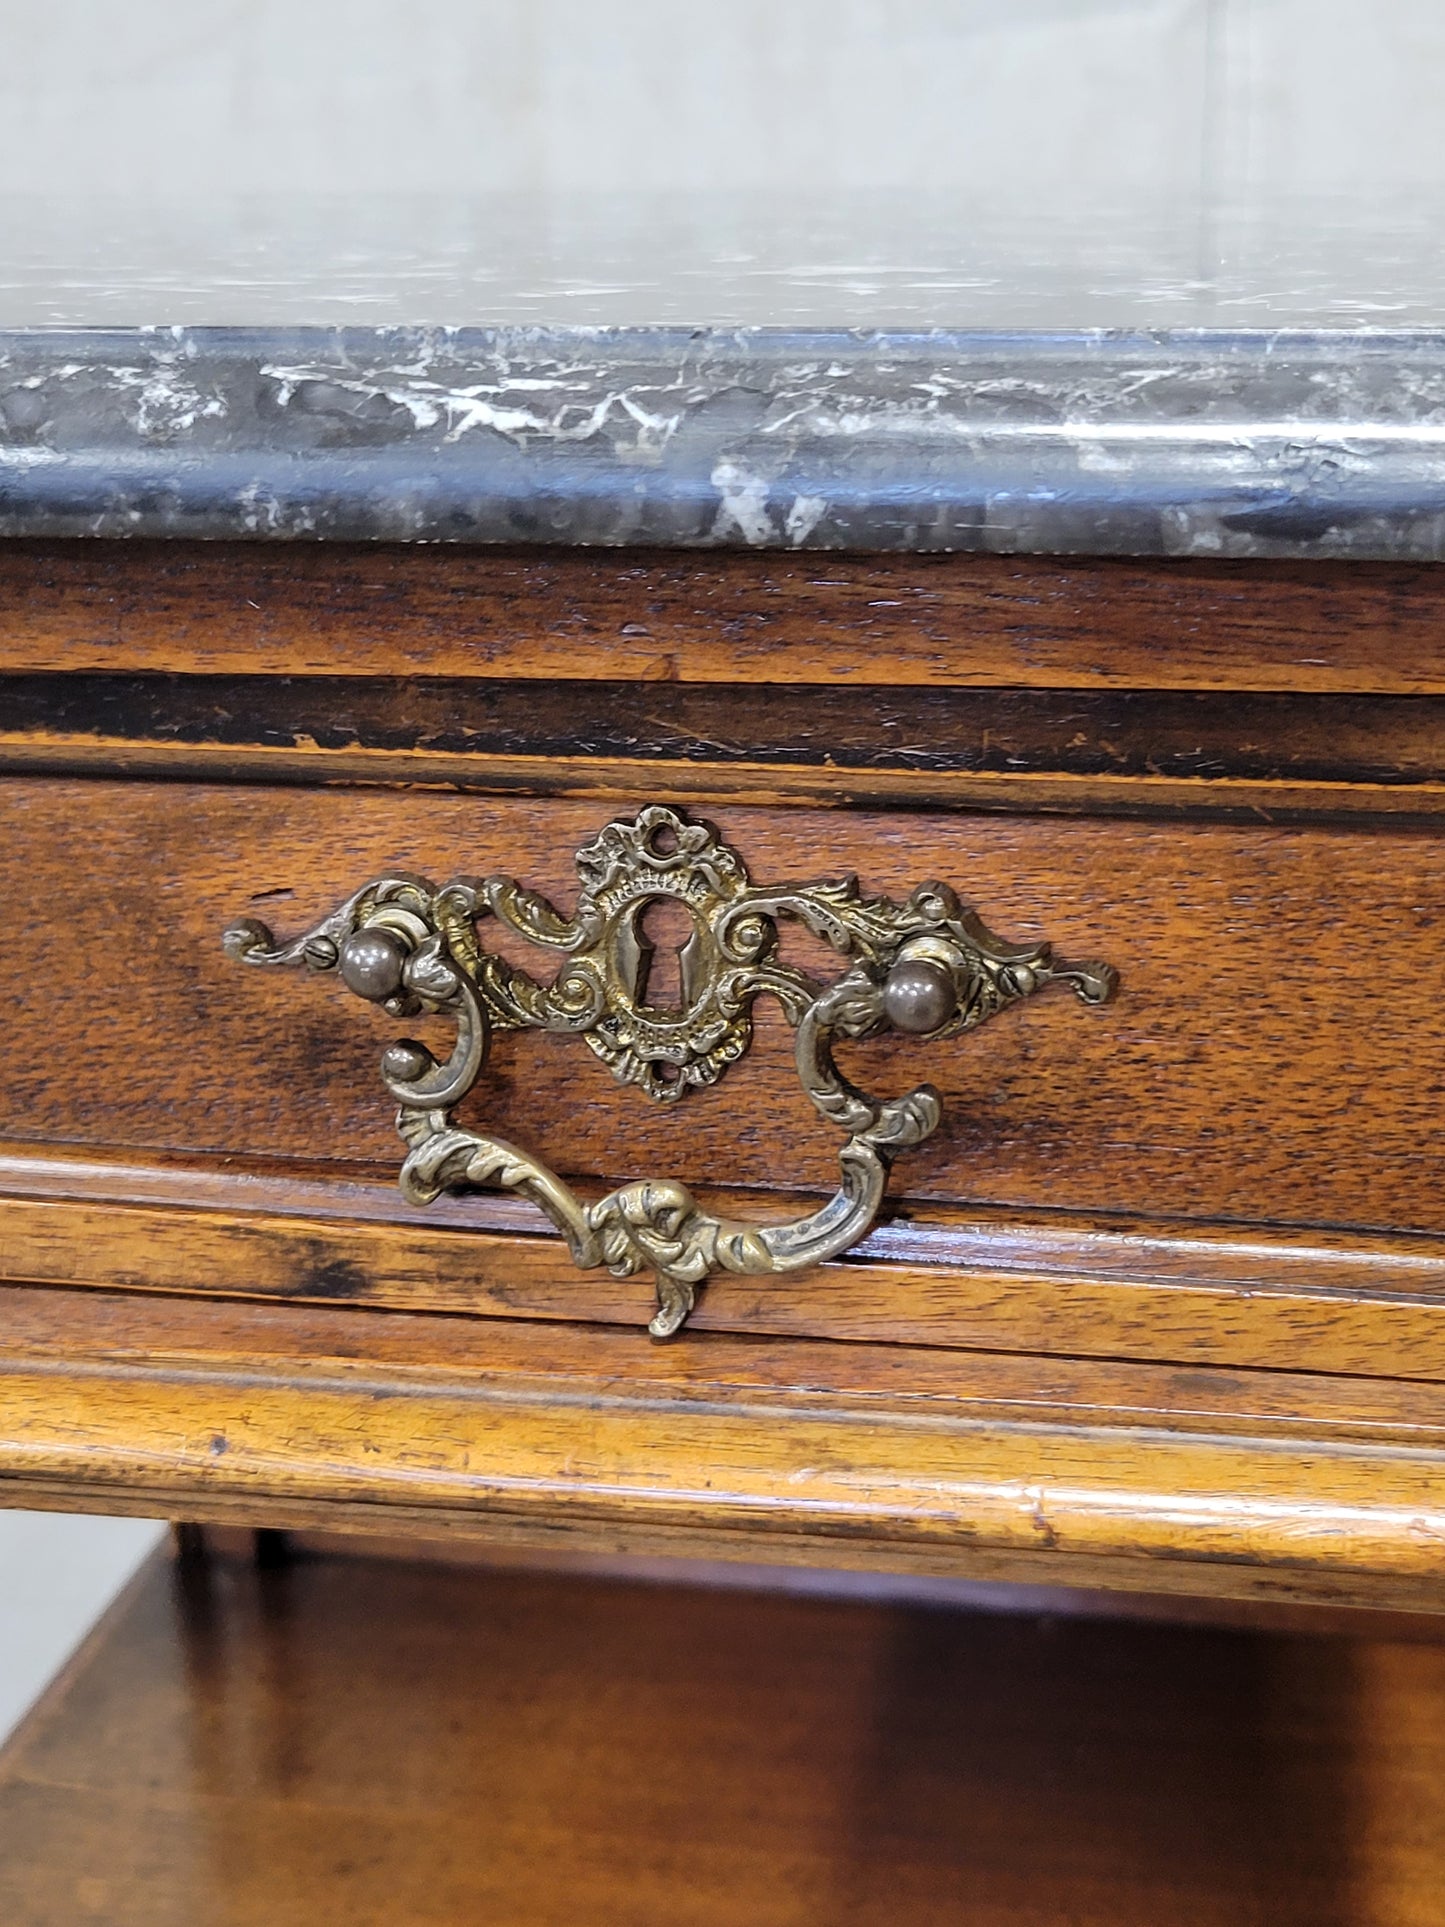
{"x": 927, "y": 966}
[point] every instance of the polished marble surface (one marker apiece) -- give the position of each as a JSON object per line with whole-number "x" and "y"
{"x": 851, "y": 259}
{"x": 867, "y": 371}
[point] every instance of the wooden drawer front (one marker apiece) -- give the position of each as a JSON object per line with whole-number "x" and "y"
{"x": 1150, "y": 1179}
{"x": 1274, "y": 1053}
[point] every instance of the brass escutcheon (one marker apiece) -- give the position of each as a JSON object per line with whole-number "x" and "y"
{"x": 926, "y": 966}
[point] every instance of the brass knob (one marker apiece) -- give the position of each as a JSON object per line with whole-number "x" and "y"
{"x": 919, "y": 996}
{"x": 371, "y": 962}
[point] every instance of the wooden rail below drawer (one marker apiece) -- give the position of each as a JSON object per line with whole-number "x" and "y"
{"x": 966, "y": 1279}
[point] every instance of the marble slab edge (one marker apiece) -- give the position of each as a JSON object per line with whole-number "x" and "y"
{"x": 1198, "y": 443}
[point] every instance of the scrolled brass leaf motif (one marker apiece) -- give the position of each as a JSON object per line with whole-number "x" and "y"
{"x": 926, "y": 966}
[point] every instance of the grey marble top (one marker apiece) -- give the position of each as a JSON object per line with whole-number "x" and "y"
{"x": 880, "y": 374}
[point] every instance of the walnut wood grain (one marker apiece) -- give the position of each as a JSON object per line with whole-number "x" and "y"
{"x": 1161, "y": 1308}
{"x": 333, "y": 608}
{"x": 346, "y": 1740}
{"x": 1145, "y": 1479}
{"x": 1275, "y": 1055}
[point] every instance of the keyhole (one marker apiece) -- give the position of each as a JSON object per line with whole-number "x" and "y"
{"x": 666, "y": 928}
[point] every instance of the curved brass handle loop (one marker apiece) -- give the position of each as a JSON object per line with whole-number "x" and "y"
{"x": 927, "y": 966}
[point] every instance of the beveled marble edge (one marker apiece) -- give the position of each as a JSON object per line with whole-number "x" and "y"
{"x": 1239, "y": 443}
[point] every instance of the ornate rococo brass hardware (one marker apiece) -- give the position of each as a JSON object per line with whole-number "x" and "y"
{"x": 927, "y": 966}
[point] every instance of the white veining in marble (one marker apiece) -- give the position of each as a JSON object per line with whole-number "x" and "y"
{"x": 1176, "y": 443}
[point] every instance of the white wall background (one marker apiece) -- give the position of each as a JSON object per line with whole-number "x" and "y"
{"x": 57, "y": 1575}
{"x": 324, "y": 95}
{"x": 1004, "y": 98}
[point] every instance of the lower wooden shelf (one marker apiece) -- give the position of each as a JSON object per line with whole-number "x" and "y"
{"x": 357, "y": 1739}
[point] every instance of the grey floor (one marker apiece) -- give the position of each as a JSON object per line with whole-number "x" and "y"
{"x": 58, "y": 1573}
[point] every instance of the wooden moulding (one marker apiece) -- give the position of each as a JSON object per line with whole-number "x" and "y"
{"x": 1048, "y": 1285}
{"x": 1129, "y": 752}
{"x": 612, "y": 781}
{"x": 297, "y": 609}
{"x": 1136, "y": 1478}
